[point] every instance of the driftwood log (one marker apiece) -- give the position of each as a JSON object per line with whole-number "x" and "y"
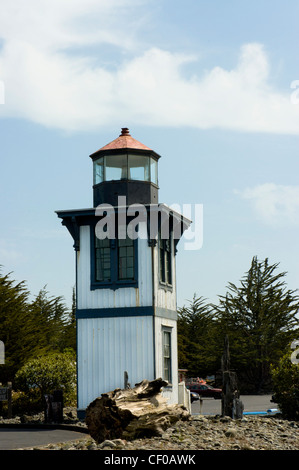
{"x": 132, "y": 413}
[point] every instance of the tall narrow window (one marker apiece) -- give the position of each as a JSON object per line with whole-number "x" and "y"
{"x": 126, "y": 259}
{"x": 166, "y": 354}
{"x": 165, "y": 261}
{"x": 168, "y": 274}
{"x": 154, "y": 171}
{"x": 103, "y": 259}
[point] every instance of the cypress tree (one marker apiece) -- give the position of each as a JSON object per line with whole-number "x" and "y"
{"x": 259, "y": 316}
{"x": 196, "y": 339}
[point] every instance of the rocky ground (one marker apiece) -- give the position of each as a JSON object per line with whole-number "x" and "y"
{"x": 198, "y": 433}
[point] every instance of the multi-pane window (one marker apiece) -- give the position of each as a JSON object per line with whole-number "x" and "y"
{"x": 165, "y": 259}
{"x": 166, "y": 355}
{"x": 114, "y": 261}
{"x": 126, "y": 259}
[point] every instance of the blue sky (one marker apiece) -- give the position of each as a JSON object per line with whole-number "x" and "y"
{"x": 210, "y": 86}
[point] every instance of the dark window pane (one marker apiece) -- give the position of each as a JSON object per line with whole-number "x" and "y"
{"x": 122, "y": 252}
{"x": 165, "y": 260}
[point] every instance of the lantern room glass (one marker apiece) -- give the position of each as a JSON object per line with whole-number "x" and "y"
{"x": 116, "y": 168}
{"x": 138, "y": 168}
{"x": 128, "y": 167}
{"x": 154, "y": 171}
{"x": 98, "y": 171}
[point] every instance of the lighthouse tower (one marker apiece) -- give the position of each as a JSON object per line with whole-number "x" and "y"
{"x": 125, "y": 249}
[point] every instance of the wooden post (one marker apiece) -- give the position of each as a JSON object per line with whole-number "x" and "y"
{"x": 231, "y": 405}
{"x": 9, "y": 400}
{"x": 200, "y": 405}
{"x": 6, "y": 395}
{"x": 126, "y": 380}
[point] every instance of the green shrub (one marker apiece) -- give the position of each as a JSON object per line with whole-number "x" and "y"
{"x": 55, "y": 371}
{"x": 286, "y": 387}
{"x": 26, "y": 402}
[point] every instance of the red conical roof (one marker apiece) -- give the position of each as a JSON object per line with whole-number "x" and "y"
{"x": 125, "y": 141}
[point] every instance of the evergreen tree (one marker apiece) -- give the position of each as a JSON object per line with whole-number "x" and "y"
{"x": 70, "y": 338}
{"x": 260, "y": 319}
{"x": 196, "y": 339}
{"x": 32, "y": 328}
{"x": 13, "y": 326}
{"x": 50, "y": 316}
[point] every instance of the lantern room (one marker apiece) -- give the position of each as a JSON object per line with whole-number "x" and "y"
{"x": 125, "y": 167}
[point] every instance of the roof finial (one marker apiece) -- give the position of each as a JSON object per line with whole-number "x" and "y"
{"x": 124, "y": 131}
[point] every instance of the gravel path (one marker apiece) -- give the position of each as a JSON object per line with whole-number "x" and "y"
{"x": 205, "y": 433}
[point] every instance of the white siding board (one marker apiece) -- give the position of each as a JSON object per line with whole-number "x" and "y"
{"x": 109, "y": 346}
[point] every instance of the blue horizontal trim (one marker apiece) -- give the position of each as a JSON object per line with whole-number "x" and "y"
{"x": 114, "y": 312}
{"x": 117, "y": 284}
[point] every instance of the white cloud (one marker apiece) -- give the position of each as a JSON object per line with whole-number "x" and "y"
{"x": 50, "y": 79}
{"x": 60, "y": 24}
{"x": 274, "y": 204}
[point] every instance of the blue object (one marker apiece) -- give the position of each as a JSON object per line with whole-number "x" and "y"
{"x": 270, "y": 411}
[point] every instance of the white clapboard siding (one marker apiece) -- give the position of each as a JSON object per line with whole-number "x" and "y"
{"x": 107, "y": 347}
{"x": 108, "y": 298}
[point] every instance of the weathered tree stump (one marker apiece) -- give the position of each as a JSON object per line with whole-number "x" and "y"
{"x": 132, "y": 413}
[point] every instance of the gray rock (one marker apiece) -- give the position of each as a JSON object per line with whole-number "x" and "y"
{"x": 107, "y": 443}
{"x": 231, "y": 432}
